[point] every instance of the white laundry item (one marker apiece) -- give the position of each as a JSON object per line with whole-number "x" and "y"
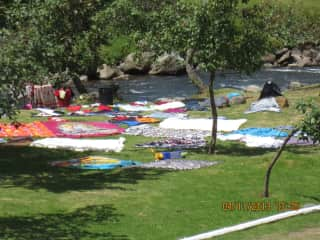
{"x": 202, "y": 124}
{"x": 48, "y": 112}
{"x": 230, "y": 137}
{"x": 169, "y": 105}
{"x": 265, "y": 104}
{"x": 132, "y": 108}
{"x": 107, "y": 145}
{"x": 262, "y": 142}
{"x": 253, "y": 141}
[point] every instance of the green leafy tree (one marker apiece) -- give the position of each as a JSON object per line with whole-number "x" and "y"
{"x": 290, "y": 24}
{"x": 47, "y": 37}
{"x": 216, "y": 34}
{"x": 308, "y": 128}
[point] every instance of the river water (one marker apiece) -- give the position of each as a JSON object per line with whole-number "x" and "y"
{"x": 152, "y": 87}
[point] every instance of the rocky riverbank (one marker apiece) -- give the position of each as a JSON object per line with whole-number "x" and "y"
{"x": 304, "y": 55}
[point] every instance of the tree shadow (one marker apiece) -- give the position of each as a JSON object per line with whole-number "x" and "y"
{"x": 29, "y": 168}
{"x": 239, "y": 149}
{"x": 71, "y": 226}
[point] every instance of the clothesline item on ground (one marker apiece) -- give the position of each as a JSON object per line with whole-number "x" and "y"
{"x": 177, "y": 164}
{"x": 83, "y": 129}
{"x": 265, "y": 104}
{"x": 260, "y": 132}
{"x": 107, "y": 145}
{"x": 95, "y": 163}
{"x": 202, "y": 124}
{"x": 34, "y": 129}
{"x": 175, "y": 144}
{"x": 152, "y": 131}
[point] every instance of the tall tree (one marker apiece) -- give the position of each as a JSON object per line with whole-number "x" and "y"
{"x": 217, "y": 34}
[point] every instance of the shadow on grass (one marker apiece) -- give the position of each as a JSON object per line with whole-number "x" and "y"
{"x": 29, "y": 168}
{"x": 69, "y": 226}
{"x": 239, "y": 149}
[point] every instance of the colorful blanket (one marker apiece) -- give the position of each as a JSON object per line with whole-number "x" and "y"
{"x": 34, "y": 129}
{"x": 94, "y": 162}
{"x": 82, "y": 129}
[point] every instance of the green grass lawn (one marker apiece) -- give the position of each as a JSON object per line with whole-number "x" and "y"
{"x": 38, "y": 201}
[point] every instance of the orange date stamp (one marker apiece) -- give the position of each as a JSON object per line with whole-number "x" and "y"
{"x": 260, "y": 206}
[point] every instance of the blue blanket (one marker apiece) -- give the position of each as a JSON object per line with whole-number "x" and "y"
{"x": 261, "y": 132}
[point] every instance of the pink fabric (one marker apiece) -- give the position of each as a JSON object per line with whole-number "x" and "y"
{"x": 104, "y": 108}
{"x": 83, "y": 129}
{"x": 175, "y": 110}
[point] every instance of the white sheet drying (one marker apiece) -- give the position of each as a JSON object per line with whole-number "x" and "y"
{"x": 202, "y": 124}
{"x": 253, "y": 141}
{"x": 107, "y": 145}
{"x": 169, "y": 105}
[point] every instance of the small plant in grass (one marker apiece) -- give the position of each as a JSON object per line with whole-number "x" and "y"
{"x": 308, "y": 128}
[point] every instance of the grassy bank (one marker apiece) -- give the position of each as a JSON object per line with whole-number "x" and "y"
{"x": 38, "y": 201}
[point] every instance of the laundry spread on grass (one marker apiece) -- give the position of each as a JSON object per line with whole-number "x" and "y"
{"x": 82, "y": 129}
{"x": 260, "y": 132}
{"x": 149, "y": 106}
{"x": 265, "y": 104}
{"x": 256, "y": 137}
{"x": 224, "y": 125}
{"x": 107, "y": 145}
{"x": 34, "y": 129}
{"x": 175, "y": 144}
{"x": 95, "y": 163}
{"x": 178, "y": 164}
{"x": 163, "y": 115}
{"x": 301, "y": 142}
{"x": 133, "y": 121}
{"x": 47, "y": 112}
{"x": 152, "y": 131}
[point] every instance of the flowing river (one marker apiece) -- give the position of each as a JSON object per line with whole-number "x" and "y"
{"x": 149, "y": 87}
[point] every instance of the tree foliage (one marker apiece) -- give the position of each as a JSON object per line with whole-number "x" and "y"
{"x": 290, "y": 24}
{"x": 44, "y": 37}
{"x": 223, "y": 34}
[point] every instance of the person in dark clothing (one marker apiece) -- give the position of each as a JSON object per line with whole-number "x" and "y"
{"x": 270, "y": 89}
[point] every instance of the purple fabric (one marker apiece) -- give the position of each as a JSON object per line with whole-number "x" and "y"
{"x": 299, "y": 142}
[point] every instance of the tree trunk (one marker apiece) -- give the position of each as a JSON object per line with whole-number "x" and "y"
{"x": 276, "y": 157}
{"x": 192, "y": 74}
{"x": 214, "y": 115}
